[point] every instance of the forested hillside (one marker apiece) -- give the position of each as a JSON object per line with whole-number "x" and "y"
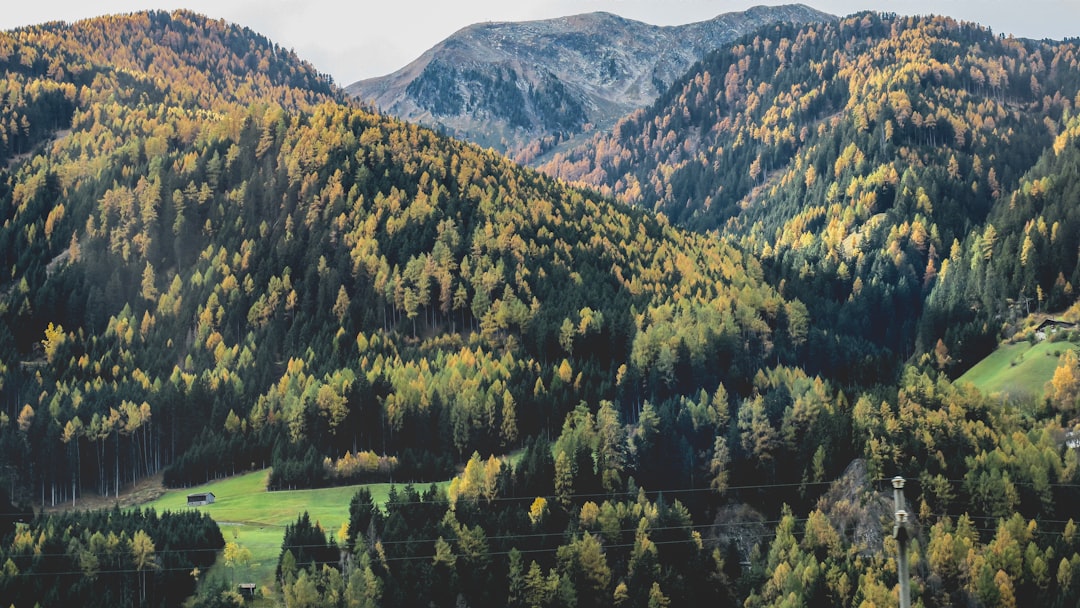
{"x": 855, "y": 159}
{"x": 1024, "y": 259}
{"x": 108, "y": 558}
{"x": 294, "y": 282}
{"x": 214, "y": 262}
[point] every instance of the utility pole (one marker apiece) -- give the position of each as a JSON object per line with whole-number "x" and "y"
{"x": 900, "y": 533}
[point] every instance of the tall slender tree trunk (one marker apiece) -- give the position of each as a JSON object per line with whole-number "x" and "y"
{"x": 76, "y": 478}
{"x": 103, "y": 485}
{"x": 117, "y": 494}
{"x": 147, "y": 438}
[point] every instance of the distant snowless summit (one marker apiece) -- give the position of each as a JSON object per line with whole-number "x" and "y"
{"x": 524, "y": 87}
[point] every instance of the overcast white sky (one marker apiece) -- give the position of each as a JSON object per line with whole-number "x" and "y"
{"x": 361, "y": 39}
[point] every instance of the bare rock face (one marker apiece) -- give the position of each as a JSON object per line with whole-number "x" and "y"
{"x": 861, "y": 512}
{"x": 524, "y": 87}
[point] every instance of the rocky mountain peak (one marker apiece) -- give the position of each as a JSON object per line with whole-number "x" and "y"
{"x": 524, "y": 87}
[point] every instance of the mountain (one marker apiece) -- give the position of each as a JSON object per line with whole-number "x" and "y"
{"x": 215, "y": 261}
{"x": 854, "y": 158}
{"x": 524, "y": 87}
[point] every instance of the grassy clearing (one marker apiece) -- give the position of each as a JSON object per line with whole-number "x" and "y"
{"x": 254, "y": 518}
{"x": 1018, "y": 370}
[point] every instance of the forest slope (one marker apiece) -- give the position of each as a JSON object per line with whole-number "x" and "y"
{"x": 219, "y": 263}
{"x": 855, "y": 158}
{"x": 219, "y": 266}
{"x": 251, "y": 270}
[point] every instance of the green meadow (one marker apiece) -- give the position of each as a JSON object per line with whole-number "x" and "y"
{"x": 255, "y": 519}
{"x": 1017, "y": 370}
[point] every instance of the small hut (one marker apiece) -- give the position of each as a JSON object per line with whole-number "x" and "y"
{"x": 199, "y": 499}
{"x": 1051, "y": 326}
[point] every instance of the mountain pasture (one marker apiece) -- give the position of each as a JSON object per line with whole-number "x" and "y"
{"x": 1019, "y": 370}
{"x": 255, "y": 519}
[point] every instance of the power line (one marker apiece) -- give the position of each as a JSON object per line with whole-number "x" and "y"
{"x": 609, "y": 495}
{"x": 549, "y": 497}
{"x": 411, "y": 541}
{"x": 107, "y": 572}
{"x": 691, "y": 527}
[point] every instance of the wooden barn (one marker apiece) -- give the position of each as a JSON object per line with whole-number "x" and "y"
{"x": 199, "y": 499}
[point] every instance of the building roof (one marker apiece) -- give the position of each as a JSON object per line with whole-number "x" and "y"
{"x": 1054, "y": 323}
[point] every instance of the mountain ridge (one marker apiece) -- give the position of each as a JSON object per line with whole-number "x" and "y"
{"x": 513, "y": 84}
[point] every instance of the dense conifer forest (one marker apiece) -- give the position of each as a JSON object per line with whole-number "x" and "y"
{"x": 684, "y": 381}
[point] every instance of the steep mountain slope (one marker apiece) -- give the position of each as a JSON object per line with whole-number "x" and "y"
{"x": 262, "y": 278}
{"x": 849, "y": 156}
{"x": 523, "y": 87}
{"x": 1025, "y": 258}
{"x": 204, "y": 274}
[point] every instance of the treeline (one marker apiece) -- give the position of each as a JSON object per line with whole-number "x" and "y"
{"x": 988, "y": 491}
{"x": 426, "y": 549}
{"x": 107, "y": 558}
{"x": 213, "y": 455}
